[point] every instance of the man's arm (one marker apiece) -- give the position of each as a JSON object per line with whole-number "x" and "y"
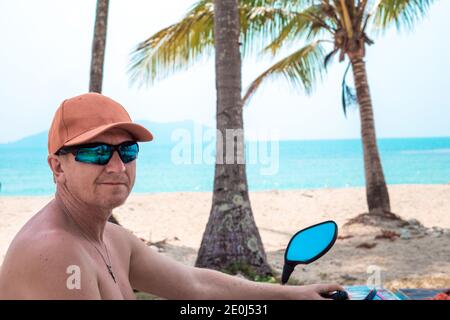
{"x": 218, "y": 285}
{"x": 157, "y": 274}
{"x": 154, "y": 273}
{"x": 49, "y": 267}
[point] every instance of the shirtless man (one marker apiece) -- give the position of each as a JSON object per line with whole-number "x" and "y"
{"x": 69, "y": 250}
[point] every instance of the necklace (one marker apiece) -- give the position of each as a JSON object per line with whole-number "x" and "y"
{"x": 108, "y": 265}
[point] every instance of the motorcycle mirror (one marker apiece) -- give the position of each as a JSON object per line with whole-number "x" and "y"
{"x": 308, "y": 245}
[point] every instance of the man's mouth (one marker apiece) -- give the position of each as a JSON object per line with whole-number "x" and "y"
{"x": 114, "y": 183}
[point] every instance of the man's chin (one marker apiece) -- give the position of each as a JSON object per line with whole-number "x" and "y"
{"x": 114, "y": 198}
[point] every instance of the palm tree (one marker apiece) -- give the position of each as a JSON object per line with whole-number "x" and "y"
{"x": 231, "y": 240}
{"x": 98, "y": 54}
{"x": 344, "y": 24}
{"x": 98, "y": 46}
{"x": 278, "y": 22}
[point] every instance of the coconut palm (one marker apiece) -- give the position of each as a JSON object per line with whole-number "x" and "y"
{"x": 231, "y": 240}
{"x": 346, "y": 25}
{"x": 98, "y": 54}
{"x": 98, "y": 46}
{"x": 271, "y": 24}
{"x": 274, "y": 24}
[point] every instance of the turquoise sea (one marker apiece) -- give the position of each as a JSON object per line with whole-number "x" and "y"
{"x": 286, "y": 165}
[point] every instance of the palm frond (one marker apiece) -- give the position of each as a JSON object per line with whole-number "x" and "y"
{"x": 176, "y": 47}
{"x": 261, "y": 24}
{"x": 329, "y": 57}
{"x": 348, "y": 94}
{"x": 308, "y": 24}
{"x": 345, "y": 12}
{"x": 301, "y": 69}
{"x": 183, "y": 44}
{"x": 402, "y": 13}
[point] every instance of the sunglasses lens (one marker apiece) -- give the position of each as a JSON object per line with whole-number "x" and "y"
{"x": 102, "y": 153}
{"x": 96, "y": 155}
{"x": 128, "y": 152}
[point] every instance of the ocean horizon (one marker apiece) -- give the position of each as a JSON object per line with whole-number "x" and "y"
{"x": 282, "y": 165}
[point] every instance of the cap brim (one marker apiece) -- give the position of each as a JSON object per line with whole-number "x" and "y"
{"x": 138, "y": 132}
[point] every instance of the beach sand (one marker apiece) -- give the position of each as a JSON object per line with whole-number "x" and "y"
{"x": 177, "y": 221}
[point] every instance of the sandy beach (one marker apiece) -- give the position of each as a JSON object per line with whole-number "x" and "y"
{"x": 416, "y": 256}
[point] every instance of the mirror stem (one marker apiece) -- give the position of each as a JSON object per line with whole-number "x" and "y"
{"x": 287, "y": 270}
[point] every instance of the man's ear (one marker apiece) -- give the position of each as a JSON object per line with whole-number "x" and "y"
{"x": 56, "y": 165}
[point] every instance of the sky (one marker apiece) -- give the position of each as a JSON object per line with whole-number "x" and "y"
{"x": 45, "y": 58}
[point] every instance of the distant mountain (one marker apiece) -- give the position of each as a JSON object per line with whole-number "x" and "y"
{"x": 35, "y": 141}
{"x": 161, "y": 131}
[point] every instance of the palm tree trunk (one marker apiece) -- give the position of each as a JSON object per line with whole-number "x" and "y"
{"x": 231, "y": 241}
{"x": 98, "y": 55}
{"x": 98, "y": 46}
{"x": 376, "y": 189}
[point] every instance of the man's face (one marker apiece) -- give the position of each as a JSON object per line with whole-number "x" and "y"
{"x": 106, "y": 186}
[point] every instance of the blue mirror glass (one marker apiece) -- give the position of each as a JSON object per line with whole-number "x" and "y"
{"x": 308, "y": 245}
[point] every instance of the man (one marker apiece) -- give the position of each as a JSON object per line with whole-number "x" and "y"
{"x": 69, "y": 250}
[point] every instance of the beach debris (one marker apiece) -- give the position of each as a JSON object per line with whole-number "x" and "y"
{"x": 366, "y": 245}
{"x": 405, "y": 234}
{"x": 156, "y": 248}
{"x": 438, "y": 229}
{"x": 158, "y": 244}
{"x": 436, "y": 234}
{"x": 387, "y": 218}
{"x": 417, "y": 230}
{"x": 415, "y": 222}
{"x": 348, "y": 277}
{"x": 387, "y": 234}
{"x": 307, "y": 195}
{"x": 345, "y": 237}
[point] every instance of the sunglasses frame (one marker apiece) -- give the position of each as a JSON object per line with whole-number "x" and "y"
{"x": 114, "y": 147}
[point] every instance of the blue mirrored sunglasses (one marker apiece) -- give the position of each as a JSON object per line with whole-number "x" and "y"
{"x": 100, "y": 153}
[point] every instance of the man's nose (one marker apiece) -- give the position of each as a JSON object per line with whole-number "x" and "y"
{"x": 115, "y": 164}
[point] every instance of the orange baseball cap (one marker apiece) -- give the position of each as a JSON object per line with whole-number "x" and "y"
{"x": 84, "y": 117}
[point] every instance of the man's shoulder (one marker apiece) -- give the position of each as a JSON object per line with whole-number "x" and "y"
{"x": 51, "y": 240}
{"x": 38, "y": 251}
{"x": 42, "y": 232}
{"x": 44, "y": 259}
{"x": 119, "y": 232}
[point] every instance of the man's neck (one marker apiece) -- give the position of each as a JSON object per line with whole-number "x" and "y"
{"x": 91, "y": 220}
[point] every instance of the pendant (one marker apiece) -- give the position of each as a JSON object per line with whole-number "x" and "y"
{"x": 111, "y": 273}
